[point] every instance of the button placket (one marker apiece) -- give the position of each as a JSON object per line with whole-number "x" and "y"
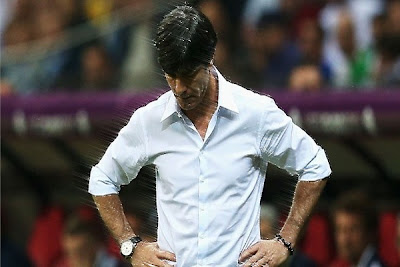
{"x": 202, "y": 237}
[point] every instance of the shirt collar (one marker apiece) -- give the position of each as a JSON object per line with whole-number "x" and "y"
{"x": 171, "y": 107}
{"x": 225, "y": 98}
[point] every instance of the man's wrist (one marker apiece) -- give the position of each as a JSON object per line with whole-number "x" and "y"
{"x": 285, "y": 243}
{"x": 127, "y": 247}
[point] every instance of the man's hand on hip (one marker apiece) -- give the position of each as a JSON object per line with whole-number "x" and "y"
{"x": 149, "y": 254}
{"x": 269, "y": 253}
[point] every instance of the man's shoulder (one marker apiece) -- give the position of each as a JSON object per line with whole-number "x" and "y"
{"x": 150, "y": 113}
{"x": 248, "y": 98}
{"x": 161, "y": 100}
{"x": 157, "y": 106}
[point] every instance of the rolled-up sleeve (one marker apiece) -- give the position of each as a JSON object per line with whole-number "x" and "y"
{"x": 287, "y": 146}
{"x": 122, "y": 160}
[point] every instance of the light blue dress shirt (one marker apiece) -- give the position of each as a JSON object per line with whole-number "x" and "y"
{"x": 209, "y": 191}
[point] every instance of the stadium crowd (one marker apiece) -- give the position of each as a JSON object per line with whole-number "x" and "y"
{"x": 352, "y": 233}
{"x": 100, "y": 45}
{"x": 267, "y": 45}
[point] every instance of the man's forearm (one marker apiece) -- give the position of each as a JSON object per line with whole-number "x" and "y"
{"x": 306, "y": 196}
{"x": 112, "y": 213}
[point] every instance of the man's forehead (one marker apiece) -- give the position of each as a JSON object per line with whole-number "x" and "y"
{"x": 189, "y": 73}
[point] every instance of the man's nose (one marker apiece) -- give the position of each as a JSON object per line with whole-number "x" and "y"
{"x": 180, "y": 87}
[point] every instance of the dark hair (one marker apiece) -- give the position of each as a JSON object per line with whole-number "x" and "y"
{"x": 185, "y": 41}
{"x": 77, "y": 225}
{"x": 358, "y": 203}
{"x": 272, "y": 18}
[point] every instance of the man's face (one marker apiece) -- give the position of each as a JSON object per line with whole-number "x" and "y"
{"x": 79, "y": 249}
{"x": 351, "y": 236}
{"x": 189, "y": 91}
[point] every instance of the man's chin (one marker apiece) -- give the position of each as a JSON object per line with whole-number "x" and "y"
{"x": 188, "y": 106}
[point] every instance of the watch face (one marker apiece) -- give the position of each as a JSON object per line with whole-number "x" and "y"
{"x": 127, "y": 248}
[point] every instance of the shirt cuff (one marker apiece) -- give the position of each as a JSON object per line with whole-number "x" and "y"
{"x": 318, "y": 168}
{"x": 100, "y": 184}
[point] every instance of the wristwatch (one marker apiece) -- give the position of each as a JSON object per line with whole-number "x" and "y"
{"x": 128, "y": 246}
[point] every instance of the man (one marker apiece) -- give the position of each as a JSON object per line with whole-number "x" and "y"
{"x": 355, "y": 225}
{"x": 210, "y": 141}
{"x": 83, "y": 246}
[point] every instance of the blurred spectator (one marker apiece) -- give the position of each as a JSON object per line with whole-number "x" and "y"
{"x": 215, "y": 12}
{"x": 26, "y": 72}
{"x": 14, "y": 10}
{"x": 140, "y": 70}
{"x": 306, "y": 78}
{"x": 355, "y": 221}
{"x": 355, "y": 52}
{"x": 352, "y": 67}
{"x": 5, "y": 88}
{"x": 272, "y": 55}
{"x": 17, "y": 33}
{"x": 96, "y": 9}
{"x": 258, "y": 18}
{"x": 254, "y": 9}
{"x": 72, "y": 11}
{"x": 310, "y": 40}
{"x": 50, "y": 29}
{"x": 83, "y": 245}
{"x": 269, "y": 226}
{"x": 387, "y": 67}
{"x": 19, "y": 77}
{"x": 107, "y": 14}
{"x": 393, "y": 16}
{"x": 6, "y": 14}
{"x": 98, "y": 72}
{"x": 378, "y": 28}
{"x": 295, "y": 11}
{"x": 361, "y": 11}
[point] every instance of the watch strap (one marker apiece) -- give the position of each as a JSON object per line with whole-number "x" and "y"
{"x": 135, "y": 239}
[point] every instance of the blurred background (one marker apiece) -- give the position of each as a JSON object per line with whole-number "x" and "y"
{"x": 73, "y": 71}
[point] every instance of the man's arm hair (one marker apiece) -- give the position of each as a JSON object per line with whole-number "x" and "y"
{"x": 306, "y": 196}
{"x": 112, "y": 213}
